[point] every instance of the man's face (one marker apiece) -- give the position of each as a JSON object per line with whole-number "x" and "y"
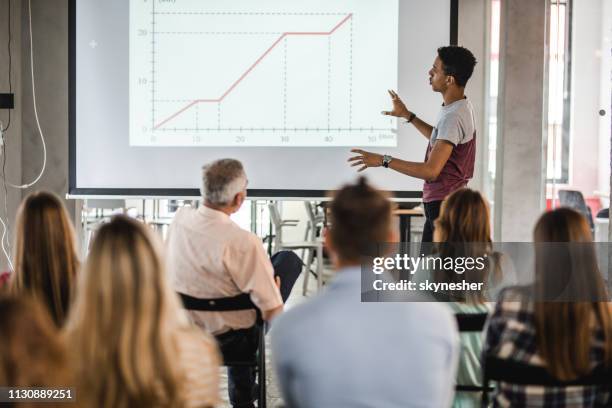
{"x": 437, "y": 77}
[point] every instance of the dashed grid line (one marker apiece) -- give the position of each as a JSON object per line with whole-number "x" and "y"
{"x": 351, "y": 73}
{"x": 222, "y": 32}
{"x": 173, "y": 100}
{"x": 153, "y": 66}
{"x": 328, "y": 80}
{"x": 281, "y": 129}
{"x": 197, "y": 113}
{"x": 285, "y": 83}
{"x": 244, "y": 13}
{"x": 219, "y": 115}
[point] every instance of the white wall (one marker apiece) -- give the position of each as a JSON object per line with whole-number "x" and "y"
{"x": 473, "y": 28}
{"x": 605, "y": 97}
{"x": 585, "y": 102}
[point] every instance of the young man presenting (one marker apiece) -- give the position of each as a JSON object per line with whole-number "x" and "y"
{"x": 451, "y": 151}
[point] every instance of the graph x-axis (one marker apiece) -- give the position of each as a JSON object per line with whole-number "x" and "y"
{"x": 279, "y": 129}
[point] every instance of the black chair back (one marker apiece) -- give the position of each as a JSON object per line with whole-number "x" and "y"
{"x": 229, "y": 304}
{"x": 574, "y": 199}
{"x": 514, "y": 372}
{"x": 471, "y": 322}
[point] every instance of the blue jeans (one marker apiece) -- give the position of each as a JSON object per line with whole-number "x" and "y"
{"x": 242, "y": 345}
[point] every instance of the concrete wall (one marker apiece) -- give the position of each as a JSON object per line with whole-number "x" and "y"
{"x": 13, "y": 135}
{"x": 24, "y": 149}
{"x": 519, "y": 184}
{"x": 473, "y": 28}
{"x": 50, "y": 35}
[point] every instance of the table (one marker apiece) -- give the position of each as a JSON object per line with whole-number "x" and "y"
{"x": 405, "y": 216}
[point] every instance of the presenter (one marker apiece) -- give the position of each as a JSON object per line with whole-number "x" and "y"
{"x": 451, "y": 151}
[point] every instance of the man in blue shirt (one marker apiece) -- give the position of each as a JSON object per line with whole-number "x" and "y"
{"x": 336, "y": 351}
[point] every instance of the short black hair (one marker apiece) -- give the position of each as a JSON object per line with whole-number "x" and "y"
{"x": 458, "y": 62}
{"x": 360, "y": 217}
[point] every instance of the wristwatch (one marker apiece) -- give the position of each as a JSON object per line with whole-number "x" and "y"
{"x": 386, "y": 160}
{"x": 411, "y": 117}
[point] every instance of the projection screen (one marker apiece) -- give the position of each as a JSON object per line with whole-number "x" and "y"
{"x": 160, "y": 87}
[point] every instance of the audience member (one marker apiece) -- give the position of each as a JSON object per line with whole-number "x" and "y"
{"x": 46, "y": 261}
{"x": 560, "y": 322}
{"x": 32, "y": 352}
{"x": 335, "y": 351}
{"x": 463, "y": 230}
{"x": 132, "y": 343}
{"x": 209, "y": 256}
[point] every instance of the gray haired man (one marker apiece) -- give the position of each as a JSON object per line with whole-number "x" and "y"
{"x": 210, "y": 256}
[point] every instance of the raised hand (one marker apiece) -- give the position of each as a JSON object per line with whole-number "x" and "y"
{"x": 399, "y": 109}
{"x": 365, "y": 159}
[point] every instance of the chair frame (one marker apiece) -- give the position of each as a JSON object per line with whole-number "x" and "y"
{"x": 472, "y": 322}
{"x": 237, "y": 303}
{"x": 312, "y": 246}
{"x": 515, "y": 372}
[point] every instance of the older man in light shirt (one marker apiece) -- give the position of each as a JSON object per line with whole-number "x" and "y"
{"x": 210, "y": 256}
{"x": 391, "y": 355}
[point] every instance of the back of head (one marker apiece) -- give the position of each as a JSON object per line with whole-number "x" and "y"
{"x": 222, "y": 180}
{"x": 569, "y": 292}
{"x": 360, "y": 217}
{"x": 123, "y": 321}
{"x": 464, "y": 217}
{"x": 458, "y": 62}
{"x": 566, "y": 262}
{"x": 32, "y": 353}
{"x": 463, "y": 230}
{"x": 46, "y": 261}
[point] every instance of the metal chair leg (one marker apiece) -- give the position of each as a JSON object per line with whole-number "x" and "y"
{"x": 262, "y": 369}
{"x": 306, "y": 270}
{"x": 319, "y": 266}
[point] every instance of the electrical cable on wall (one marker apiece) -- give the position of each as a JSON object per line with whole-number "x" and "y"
{"x": 6, "y": 231}
{"x": 5, "y": 239}
{"x": 10, "y": 66}
{"x": 42, "y": 137}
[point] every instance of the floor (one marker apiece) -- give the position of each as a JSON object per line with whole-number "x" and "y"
{"x": 274, "y": 399}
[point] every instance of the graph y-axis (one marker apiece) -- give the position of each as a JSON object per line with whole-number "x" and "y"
{"x": 350, "y": 124}
{"x": 153, "y": 65}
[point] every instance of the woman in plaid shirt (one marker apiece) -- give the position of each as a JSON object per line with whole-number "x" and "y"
{"x": 569, "y": 337}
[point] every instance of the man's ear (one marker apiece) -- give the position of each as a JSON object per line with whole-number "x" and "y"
{"x": 238, "y": 199}
{"x": 329, "y": 245}
{"x": 450, "y": 80}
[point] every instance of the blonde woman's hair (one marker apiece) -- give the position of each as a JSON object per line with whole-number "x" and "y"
{"x": 123, "y": 324}
{"x": 46, "y": 261}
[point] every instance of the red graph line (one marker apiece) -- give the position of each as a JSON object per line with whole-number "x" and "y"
{"x": 248, "y": 71}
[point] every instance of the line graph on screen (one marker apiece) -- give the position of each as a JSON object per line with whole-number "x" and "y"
{"x": 253, "y": 76}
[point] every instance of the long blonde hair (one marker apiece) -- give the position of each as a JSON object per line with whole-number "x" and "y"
{"x": 564, "y": 329}
{"x": 46, "y": 261}
{"x": 124, "y": 322}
